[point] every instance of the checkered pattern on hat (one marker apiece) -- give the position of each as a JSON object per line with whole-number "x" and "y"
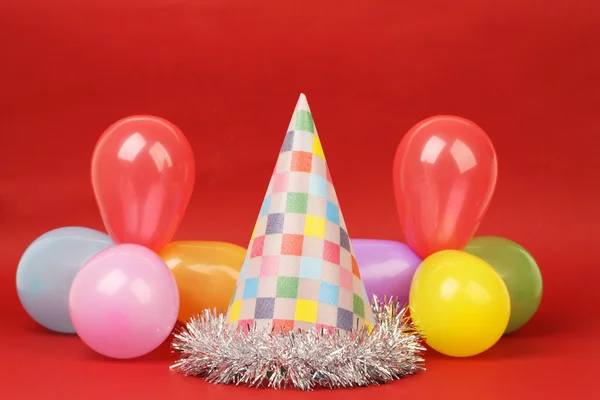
{"x": 300, "y": 270}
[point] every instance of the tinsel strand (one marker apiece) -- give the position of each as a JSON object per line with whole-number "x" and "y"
{"x": 301, "y": 359}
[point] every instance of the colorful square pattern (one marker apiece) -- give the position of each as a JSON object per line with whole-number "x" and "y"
{"x": 299, "y": 269}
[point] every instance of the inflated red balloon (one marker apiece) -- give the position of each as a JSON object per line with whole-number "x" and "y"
{"x": 445, "y": 172}
{"x": 143, "y": 175}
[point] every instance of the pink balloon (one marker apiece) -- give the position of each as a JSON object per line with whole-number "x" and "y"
{"x": 124, "y": 301}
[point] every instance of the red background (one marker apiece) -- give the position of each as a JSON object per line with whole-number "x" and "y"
{"x": 228, "y": 73}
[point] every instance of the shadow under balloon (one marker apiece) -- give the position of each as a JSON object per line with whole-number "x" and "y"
{"x": 509, "y": 347}
{"x": 43, "y": 331}
{"x": 162, "y": 354}
{"x": 544, "y": 327}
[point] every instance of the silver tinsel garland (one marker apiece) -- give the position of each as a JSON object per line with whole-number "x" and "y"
{"x": 301, "y": 359}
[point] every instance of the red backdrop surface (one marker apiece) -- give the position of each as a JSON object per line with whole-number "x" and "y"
{"x": 228, "y": 74}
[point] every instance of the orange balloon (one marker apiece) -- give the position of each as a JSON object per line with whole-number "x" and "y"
{"x": 206, "y": 274}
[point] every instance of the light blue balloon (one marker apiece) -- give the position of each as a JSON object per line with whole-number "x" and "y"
{"x": 47, "y": 269}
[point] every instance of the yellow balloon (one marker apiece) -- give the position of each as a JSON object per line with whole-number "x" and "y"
{"x": 460, "y": 303}
{"x": 206, "y": 274}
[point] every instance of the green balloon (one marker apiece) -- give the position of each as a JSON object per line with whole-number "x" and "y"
{"x": 520, "y": 272}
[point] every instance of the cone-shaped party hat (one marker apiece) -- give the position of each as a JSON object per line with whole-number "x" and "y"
{"x": 299, "y": 315}
{"x": 300, "y": 270}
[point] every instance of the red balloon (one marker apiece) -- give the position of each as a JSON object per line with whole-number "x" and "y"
{"x": 445, "y": 172}
{"x": 143, "y": 175}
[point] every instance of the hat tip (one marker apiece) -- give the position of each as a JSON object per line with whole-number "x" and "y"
{"x": 302, "y": 103}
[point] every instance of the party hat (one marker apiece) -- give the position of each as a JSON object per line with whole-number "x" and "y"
{"x": 299, "y": 316}
{"x": 300, "y": 271}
